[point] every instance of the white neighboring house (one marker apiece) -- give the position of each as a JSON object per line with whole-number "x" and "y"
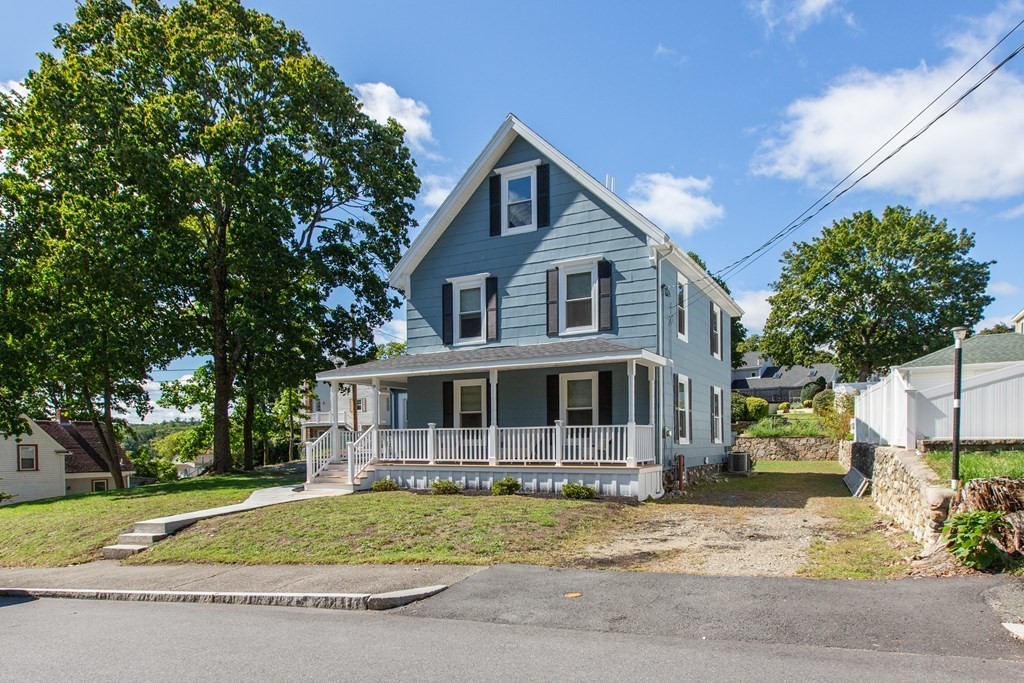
{"x": 318, "y": 409}
{"x": 915, "y": 401}
{"x": 55, "y": 459}
{"x": 1018, "y": 322}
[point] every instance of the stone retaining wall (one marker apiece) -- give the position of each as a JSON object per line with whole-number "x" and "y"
{"x": 902, "y": 486}
{"x": 985, "y": 445}
{"x": 788, "y": 448}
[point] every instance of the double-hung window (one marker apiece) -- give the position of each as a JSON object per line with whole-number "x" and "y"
{"x": 682, "y": 404}
{"x": 682, "y": 317}
{"x": 716, "y": 331}
{"x": 717, "y": 426}
{"x": 470, "y": 399}
{"x": 518, "y": 197}
{"x": 28, "y": 457}
{"x": 579, "y": 398}
{"x": 468, "y": 298}
{"x": 577, "y": 295}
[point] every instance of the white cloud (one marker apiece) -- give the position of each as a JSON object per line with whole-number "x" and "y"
{"x": 393, "y": 330}
{"x": 381, "y": 102}
{"x": 1003, "y": 288}
{"x": 976, "y": 152}
{"x": 13, "y": 87}
{"x": 678, "y": 204}
{"x": 754, "y": 303}
{"x": 993, "y": 320}
{"x": 435, "y": 190}
{"x": 796, "y": 16}
{"x": 1015, "y": 212}
{"x": 669, "y": 54}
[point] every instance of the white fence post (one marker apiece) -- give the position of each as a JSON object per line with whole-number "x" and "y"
{"x": 309, "y": 462}
{"x": 910, "y": 408}
{"x": 492, "y": 445}
{"x": 631, "y": 445}
{"x": 559, "y": 442}
{"x": 351, "y": 462}
{"x": 431, "y": 442}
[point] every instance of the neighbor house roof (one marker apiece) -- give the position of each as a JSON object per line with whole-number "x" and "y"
{"x": 787, "y": 378}
{"x": 576, "y": 351}
{"x": 82, "y": 442}
{"x": 657, "y": 239}
{"x": 1019, "y": 317}
{"x": 982, "y": 348}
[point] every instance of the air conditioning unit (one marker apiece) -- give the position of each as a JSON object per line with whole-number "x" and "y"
{"x": 739, "y": 462}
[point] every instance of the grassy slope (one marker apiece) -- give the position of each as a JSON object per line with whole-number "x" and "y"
{"x": 71, "y": 530}
{"x": 979, "y": 465}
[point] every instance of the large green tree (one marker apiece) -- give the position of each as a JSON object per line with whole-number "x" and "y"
{"x": 217, "y": 130}
{"x": 875, "y": 292}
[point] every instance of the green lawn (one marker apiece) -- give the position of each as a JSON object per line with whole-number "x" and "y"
{"x": 397, "y": 527}
{"x": 979, "y": 465}
{"x": 71, "y": 530}
{"x": 789, "y": 425}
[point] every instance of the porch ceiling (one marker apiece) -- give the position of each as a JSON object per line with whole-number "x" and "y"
{"x": 572, "y": 352}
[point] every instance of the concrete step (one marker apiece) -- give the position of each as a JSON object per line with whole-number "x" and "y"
{"x": 320, "y": 485}
{"x": 121, "y": 550}
{"x": 134, "y": 538}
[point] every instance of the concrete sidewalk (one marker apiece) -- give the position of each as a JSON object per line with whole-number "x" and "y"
{"x": 331, "y": 587}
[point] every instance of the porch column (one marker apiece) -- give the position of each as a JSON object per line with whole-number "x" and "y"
{"x": 492, "y": 426}
{"x": 335, "y": 431}
{"x": 650, "y": 395}
{"x": 631, "y": 422}
{"x": 376, "y": 418}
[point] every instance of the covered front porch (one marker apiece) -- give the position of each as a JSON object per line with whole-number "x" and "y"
{"x": 579, "y": 404}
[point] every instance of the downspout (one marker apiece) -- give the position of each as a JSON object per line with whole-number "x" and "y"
{"x": 659, "y": 421}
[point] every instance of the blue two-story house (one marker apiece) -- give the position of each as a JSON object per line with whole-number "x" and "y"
{"x": 554, "y": 334}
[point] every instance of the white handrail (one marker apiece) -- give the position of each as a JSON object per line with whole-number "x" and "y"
{"x": 461, "y": 444}
{"x": 604, "y": 443}
{"x": 526, "y": 444}
{"x": 361, "y": 453}
{"x": 318, "y": 452}
{"x": 404, "y": 444}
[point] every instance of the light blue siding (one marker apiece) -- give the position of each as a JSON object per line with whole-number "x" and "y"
{"x": 580, "y": 226}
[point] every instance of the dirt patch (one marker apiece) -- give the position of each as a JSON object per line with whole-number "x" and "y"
{"x": 735, "y": 541}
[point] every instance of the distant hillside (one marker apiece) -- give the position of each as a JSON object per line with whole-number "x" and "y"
{"x": 144, "y": 433}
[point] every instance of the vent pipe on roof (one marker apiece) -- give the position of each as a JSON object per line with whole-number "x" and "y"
{"x": 609, "y": 182}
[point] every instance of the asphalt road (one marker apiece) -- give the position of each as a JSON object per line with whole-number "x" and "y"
{"x": 514, "y": 624}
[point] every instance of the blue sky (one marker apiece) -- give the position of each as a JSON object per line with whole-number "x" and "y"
{"x": 720, "y": 121}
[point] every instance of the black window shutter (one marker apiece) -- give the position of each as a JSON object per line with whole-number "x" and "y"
{"x": 711, "y": 326}
{"x": 675, "y": 405}
{"x": 492, "y": 308}
{"x": 553, "y": 411}
{"x": 604, "y": 397}
{"x": 553, "y": 302}
{"x": 447, "y": 326}
{"x": 604, "y": 295}
{"x": 495, "y": 206}
{"x": 447, "y": 404}
{"x": 689, "y": 409}
{"x": 543, "y": 196}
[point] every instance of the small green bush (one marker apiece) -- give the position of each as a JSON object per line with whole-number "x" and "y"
{"x": 739, "y": 407}
{"x": 807, "y": 403}
{"x": 388, "y": 484}
{"x": 444, "y": 487}
{"x": 506, "y": 486}
{"x": 969, "y": 538}
{"x": 578, "y": 491}
{"x": 757, "y": 408}
{"x": 824, "y": 400}
{"x": 811, "y": 389}
{"x": 784, "y": 407}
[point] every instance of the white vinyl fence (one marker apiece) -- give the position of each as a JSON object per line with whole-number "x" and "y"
{"x": 892, "y": 413}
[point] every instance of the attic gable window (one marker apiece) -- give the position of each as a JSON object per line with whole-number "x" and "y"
{"x": 519, "y": 198}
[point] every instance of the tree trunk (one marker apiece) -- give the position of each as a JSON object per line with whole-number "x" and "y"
{"x": 107, "y": 451}
{"x": 247, "y": 441}
{"x": 291, "y": 430}
{"x": 222, "y": 372}
{"x": 864, "y": 371}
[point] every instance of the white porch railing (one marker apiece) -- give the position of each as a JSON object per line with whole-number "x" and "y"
{"x": 319, "y": 453}
{"x": 362, "y": 452}
{"x": 527, "y": 444}
{"x": 461, "y": 444}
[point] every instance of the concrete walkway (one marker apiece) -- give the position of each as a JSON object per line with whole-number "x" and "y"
{"x": 149, "y": 531}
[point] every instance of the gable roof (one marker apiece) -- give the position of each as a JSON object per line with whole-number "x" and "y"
{"x": 981, "y": 348}
{"x": 482, "y": 167}
{"x": 1019, "y": 317}
{"x": 792, "y": 377}
{"x": 82, "y": 443}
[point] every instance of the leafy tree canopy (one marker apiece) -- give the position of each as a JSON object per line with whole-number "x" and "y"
{"x": 998, "y": 328}
{"x": 875, "y": 292}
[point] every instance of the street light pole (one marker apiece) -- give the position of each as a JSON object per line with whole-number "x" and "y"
{"x": 959, "y": 334}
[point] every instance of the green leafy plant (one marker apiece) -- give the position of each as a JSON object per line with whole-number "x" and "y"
{"x": 444, "y": 487}
{"x": 5, "y": 496}
{"x": 739, "y": 407}
{"x": 969, "y": 537}
{"x": 506, "y": 486}
{"x": 388, "y": 484}
{"x": 812, "y": 388}
{"x": 578, "y": 491}
{"x": 836, "y": 420}
{"x": 807, "y": 403}
{"x": 757, "y": 408}
{"x": 824, "y": 400}
{"x": 784, "y": 407}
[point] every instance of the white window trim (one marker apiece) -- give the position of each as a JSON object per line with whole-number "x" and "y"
{"x": 721, "y": 414}
{"x": 93, "y": 483}
{"x": 685, "y": 284}
{"x": 563, "y": 394}
{"x": 468, "y": 282}
{"x": 684, "y": 381}
{"x": 507, "y": 175}
{"x": 35, "y": 457}
{"x": 573, "y": 267}
{"x": 718, "y": 316}
{"x": 457, "y": 386}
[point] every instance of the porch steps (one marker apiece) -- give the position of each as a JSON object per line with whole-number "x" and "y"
{"x": 335, "y": 476}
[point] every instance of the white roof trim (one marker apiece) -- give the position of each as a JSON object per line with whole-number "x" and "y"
{"x": 480, "y": 366}
{"x": 484, "y": 165}
{"x": 1019, "y": 317}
